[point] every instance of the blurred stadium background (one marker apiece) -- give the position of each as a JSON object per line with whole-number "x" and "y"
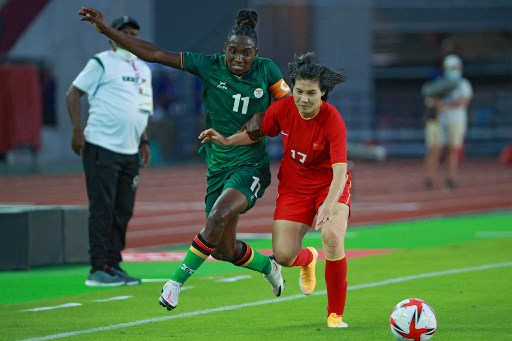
{"x": 387, "y": 48}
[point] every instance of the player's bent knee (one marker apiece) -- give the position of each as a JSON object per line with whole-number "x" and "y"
{"x": 330, "y": 239}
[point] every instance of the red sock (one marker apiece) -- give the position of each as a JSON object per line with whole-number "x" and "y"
{"x": 304, "y": 257}
{"x": 336, "y": 282}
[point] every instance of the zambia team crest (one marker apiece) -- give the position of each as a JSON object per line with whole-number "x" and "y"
{"x": 258, "y": 93}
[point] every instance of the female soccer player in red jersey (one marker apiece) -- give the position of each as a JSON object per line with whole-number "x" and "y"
{"x": 313, "y": 179}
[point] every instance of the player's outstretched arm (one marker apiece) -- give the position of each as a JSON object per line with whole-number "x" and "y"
{"x": 238, "y": 139}
{"x": 139, "y": 47}
{"x": 253, "y": 126}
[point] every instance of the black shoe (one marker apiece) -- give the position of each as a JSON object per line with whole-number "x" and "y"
{"x": 450, "y": 184}
{"x": 428, "y": 184}
{"x": 128, "y": 280}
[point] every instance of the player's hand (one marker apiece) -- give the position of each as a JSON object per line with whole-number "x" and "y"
{"x": 78, "y": 142}
{"x": 145, "y": 155}
{"x": 95, "y": 17}
{"x": 213, "y": 136}
{"x": 324, "y": 216}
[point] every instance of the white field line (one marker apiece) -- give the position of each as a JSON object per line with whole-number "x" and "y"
{"x": 155, "y": 280}
{"x": 233, "y": 279}
{"x": 269, "y": 301}
{"x": 65, "y": 305}
{"x": 115, "y": 298}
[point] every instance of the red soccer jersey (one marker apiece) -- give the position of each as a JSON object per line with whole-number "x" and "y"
{"x": 311, "y": 146}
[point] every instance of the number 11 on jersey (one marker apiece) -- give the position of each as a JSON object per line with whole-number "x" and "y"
{"x": 236, "y": 104}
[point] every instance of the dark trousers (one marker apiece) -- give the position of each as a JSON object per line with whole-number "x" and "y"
{"x": 111, "y": 180}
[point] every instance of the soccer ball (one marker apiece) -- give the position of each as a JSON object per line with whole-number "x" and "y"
{"x": 413, "y": 319}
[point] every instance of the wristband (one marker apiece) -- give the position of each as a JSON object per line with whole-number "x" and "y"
{"x": 143, "y": 142}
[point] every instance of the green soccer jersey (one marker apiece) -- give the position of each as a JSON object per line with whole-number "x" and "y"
{"x": 230, "y": 101}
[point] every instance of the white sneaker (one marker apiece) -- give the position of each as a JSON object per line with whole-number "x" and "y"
{"x": 170, "y": 294}
{"x": 275, "y": 278}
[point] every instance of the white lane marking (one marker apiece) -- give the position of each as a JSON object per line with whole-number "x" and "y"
{"x": 65, "y": 305}
{"x": 115, "y": 298}
{"x": 269, "y": 301}
{"x": 154, "y": 280}
{"x": 233, "y": 279}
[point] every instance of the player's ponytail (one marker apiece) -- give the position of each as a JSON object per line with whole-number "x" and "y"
{"x": 245, "y": 25}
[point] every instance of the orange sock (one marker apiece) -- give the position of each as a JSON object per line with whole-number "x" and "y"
{"x": 304, "y": 257}
{"x": 336, "y": 283}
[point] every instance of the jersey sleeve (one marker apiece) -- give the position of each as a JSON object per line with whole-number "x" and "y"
{"x": 270, "y": 123}
{"x": 196, "y": 63}
{"x": 337, "y": 135}
{"x": 277, "y": 86}
{"x": 89, "y": 78}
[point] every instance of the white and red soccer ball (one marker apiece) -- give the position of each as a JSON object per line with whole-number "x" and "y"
{"x": 413, "y": 319}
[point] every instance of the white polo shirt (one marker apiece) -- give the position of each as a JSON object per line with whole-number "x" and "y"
{"x": 113, "y": 86}
{"x": 450, "y": 115}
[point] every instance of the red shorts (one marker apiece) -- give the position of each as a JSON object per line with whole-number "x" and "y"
{"x": 302, "y": 208}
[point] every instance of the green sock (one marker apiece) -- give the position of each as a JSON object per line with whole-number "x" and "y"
{"x": 197, "y": 253}
{"x": 252, "y": 259}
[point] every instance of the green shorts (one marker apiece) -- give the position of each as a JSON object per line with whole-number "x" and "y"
{"x": 250, "y": 181}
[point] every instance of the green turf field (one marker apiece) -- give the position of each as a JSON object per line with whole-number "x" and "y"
{"x": 462, "y": 266}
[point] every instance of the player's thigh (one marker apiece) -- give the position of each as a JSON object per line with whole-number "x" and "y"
{"x": 456, "y": 133}
{"x": 226, "y": 186}
{"x": 292, "y": 206}
{"x": 287, "y": 240}
{"x": 250, "y": 181}
{"x": 215, "y": 183}
{"x": 433, "y": 135}
{"x": 293, "y": 218}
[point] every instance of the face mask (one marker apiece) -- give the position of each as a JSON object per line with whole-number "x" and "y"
{"x": 125, "y": 54}
{"x": 453, "y": 74}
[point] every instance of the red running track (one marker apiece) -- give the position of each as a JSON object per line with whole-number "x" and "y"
{"x": 169, "y": 207}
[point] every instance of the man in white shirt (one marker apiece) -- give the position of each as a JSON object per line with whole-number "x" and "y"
{"x": 447, "y": 128}
{"x": 113, "y": 146}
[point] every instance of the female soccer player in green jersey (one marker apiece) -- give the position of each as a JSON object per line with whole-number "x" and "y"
{"x": 236, "y": 85}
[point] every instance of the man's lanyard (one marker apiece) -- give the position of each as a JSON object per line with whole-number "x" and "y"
{"x": 145, "y": 91}
{"x": 137, "y": 74}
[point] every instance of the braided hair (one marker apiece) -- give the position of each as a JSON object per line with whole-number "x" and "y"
{"x": 245, "y": 24}
{"x": 303, "y": 68}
